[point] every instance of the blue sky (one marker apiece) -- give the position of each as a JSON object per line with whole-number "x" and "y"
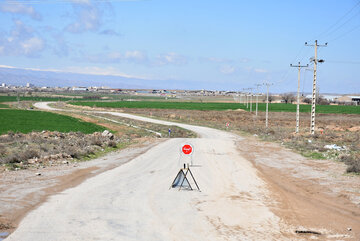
{"x": 227, "y": 45}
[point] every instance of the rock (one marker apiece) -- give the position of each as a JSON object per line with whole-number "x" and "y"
{"x": 105, "y": 133}
{"x": 354, "y": 129}
{"x": 33, "y": 160}
{"x": 65, "y": 162}
{"x": 334, "y": 147}
{"x": 38, "y": 174}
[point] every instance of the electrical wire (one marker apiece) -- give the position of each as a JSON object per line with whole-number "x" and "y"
{"x": 342, "y": 62}
{"x": 343, "y": 24}
{"x": 338, "y": 21}
{"x": 344, "y": 34}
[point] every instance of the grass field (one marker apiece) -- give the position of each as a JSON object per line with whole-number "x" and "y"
{"x": 220, "y": 106}
{"x": 4, "y": 98}
{"x": 85, "y": 96}
{"x": 3, "y": 106}
{"x": 25, "y": 121}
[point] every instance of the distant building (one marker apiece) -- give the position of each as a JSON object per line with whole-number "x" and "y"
{"x": 79, "y": 89}
{"x": 3, "y": 85}
{"x": 355, "y": 99}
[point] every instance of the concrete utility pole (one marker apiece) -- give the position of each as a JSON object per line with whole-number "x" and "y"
{"x": 257, "y": 99}
{"x": 313, "y": 105}
{"x": 298, "y": 96}
{"x": 267, "y": 104}
{"x": 246, "y": 98}
{"x": 251, "y": 94}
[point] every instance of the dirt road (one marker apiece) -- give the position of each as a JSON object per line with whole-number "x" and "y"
{"x": 134, "y": 202}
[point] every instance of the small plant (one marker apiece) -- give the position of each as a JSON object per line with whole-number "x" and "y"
{"x": 112, "y": 144}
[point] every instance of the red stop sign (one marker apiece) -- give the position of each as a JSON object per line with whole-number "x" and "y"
{"x": 186, "y": 149}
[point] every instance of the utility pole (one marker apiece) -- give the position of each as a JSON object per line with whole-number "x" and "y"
{"x": 257, "y": 99}
{"x": 247, "y": 98}
{"x": 251, "y": 94}
{"x": 267, "y": 104}
{"x": 313, "y": 105}
{"x": 247, "y": 101}
{"x": 299, "y": 66}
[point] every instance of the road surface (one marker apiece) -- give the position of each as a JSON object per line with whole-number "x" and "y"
{"x": 134, "y": 202}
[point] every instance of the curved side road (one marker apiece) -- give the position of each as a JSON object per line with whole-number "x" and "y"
{"x": 134, "y": 202}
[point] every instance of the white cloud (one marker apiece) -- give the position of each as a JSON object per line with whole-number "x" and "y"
{"x": 22, "y": 40}
{"x": 135, "y": 56}
{"x": 217, "y": 60}
{"x": 81, "y": 1}
{"x": 19, "y": 8}
{"x": 227, "y": 69}
{"x": 109, "y": 32}
{"x": 88, "y": 18}
{"x": 260, "y": 70}
{"x": 32, "y": 45}
{"x": 171, "y": 58}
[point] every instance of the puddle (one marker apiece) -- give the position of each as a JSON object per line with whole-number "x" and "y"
{"x": 3, "y": 235}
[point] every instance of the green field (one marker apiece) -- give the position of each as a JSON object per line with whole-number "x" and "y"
{"x": 219, "y": 106}
{"x": 26, "y": 121}
{"x": 87, "y": 96}
{"x": 3, "y": 106}
{"x": 4, "y": 98}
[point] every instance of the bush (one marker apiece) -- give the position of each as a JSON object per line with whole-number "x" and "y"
{"x": 353, "y": 163}
{"x": 75, "y": 152}
{"x": 2, "y": 150}
{"x": 95, "y": 140}
{"x": 112, "y": 144}
{"x": 22, "y": 156}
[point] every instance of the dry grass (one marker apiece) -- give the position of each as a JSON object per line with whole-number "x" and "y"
{"x": 43, "y": 148}
{"x": 341, "y": 130}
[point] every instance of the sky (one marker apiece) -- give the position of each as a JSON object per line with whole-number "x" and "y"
{"x": 195, "y": 44}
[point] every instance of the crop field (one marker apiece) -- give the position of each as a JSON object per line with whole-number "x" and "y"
{"x": 3, "y": 106}
{"x": 4, "y": 98}
{"x": 25, "y": 121}
{"x": 276, "y": 107}
{"x": 87, "y": 96}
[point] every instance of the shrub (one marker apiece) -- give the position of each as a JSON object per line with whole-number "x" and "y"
{"x": 22, "y": 156}
{"x": 353, "y": 163}
{"x": 75, "y": 152}
{"x": 2, "y": 150}
{"x": 95, "y": 140}
{"x": 112, "y": 144}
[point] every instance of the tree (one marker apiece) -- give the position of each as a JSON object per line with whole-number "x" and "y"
{"x": 288, "y": 98}
{"x": 322, "y": 101}
{"x": 271, "y": 98}
{"x": 307, "y": 100}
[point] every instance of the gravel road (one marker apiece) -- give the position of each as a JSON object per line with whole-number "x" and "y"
{"x": 134, "y": 202}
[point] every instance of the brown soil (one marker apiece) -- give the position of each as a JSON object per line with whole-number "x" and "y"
{"x": 319, "y": 199}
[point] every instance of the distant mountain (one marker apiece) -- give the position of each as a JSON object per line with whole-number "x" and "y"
{"x": 16, "y": 76}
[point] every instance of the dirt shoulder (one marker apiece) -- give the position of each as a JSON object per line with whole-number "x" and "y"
{"x": 312, "y": 195}
{"x": 24, "y": 190}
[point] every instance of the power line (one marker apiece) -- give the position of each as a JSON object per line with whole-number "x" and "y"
{"x": 346, "y": 33}
{"x": 339, "y": 20}
{"x": 342, "y": 62}
{"x": 343, "y": 24}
